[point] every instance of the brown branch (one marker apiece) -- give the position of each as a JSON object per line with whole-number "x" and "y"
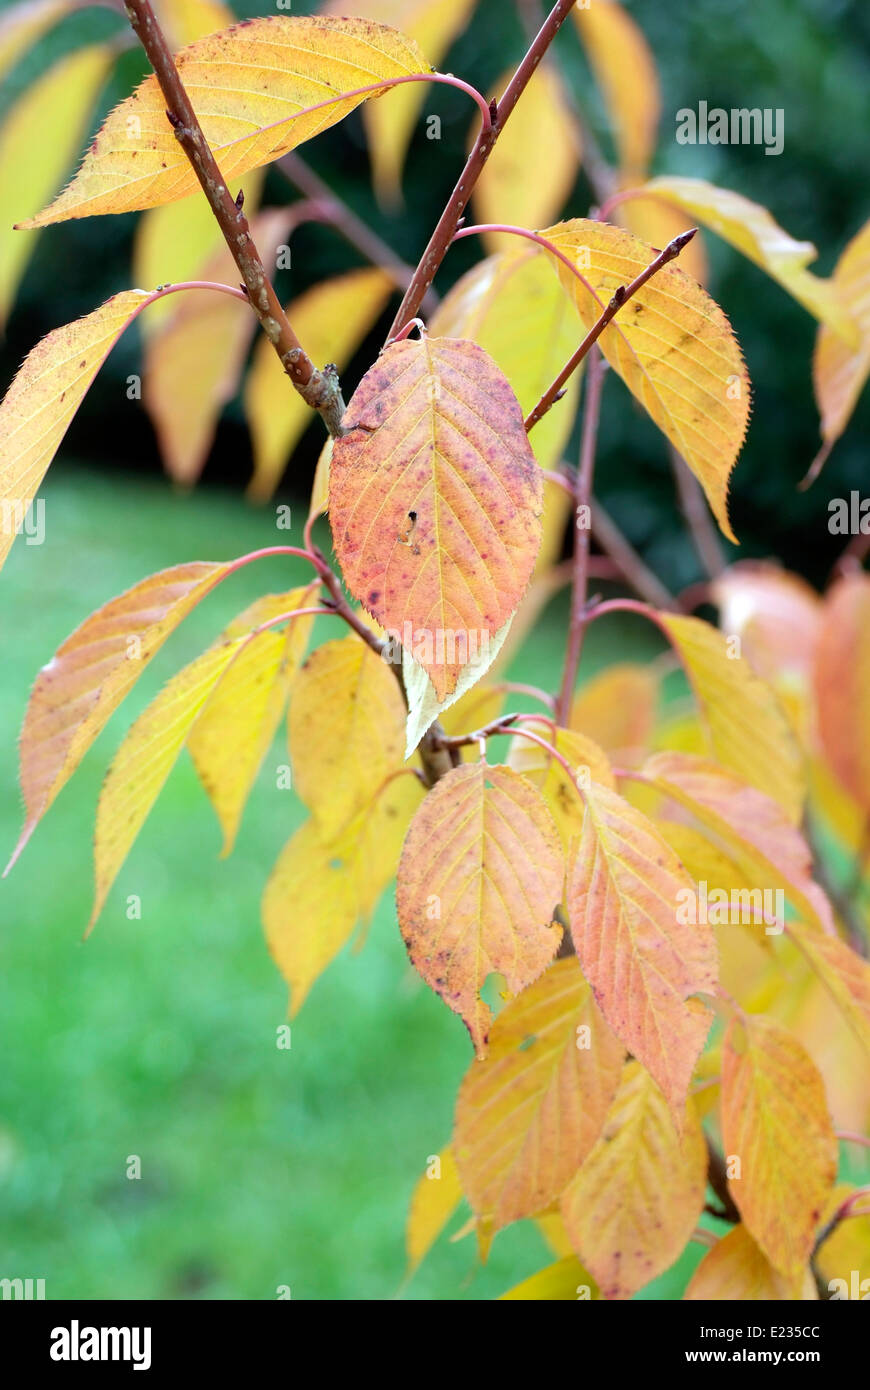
{"x": 319, "y": 389}
{"x": 480, "y": 152}
{"x": 620, "y": 296}
{"x": 622, "y": 552}
{"x": 718, "y": 1180}
{"x": 582, "y": 498}
{"x": 694, "y": 508}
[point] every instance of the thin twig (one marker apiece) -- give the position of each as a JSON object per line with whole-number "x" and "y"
{"x": 637, "y": 573}
{"x": 319, "y": 389}
{"x": 697, "y": 516}
{"x": 480, "y": 152}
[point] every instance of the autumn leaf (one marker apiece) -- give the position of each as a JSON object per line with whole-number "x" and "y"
{"x": 841, "y": 367}
{"x": 309, "y": 909}
{"x": 136, "y": 162}
{"x": 145, "y": 760}
{"x": 566, "y": 1281}
{"x": 775, "y": 1124}
{"x": 735, "y": 1269}
{"x": 23, "y": 24}
{"x": 346, "y": 730}
{"x": 51, "y": 384}
{"x": 617, "y": 708}
{"x": 331, "y": 320}
{"x": 91, "y": 672}
{"x": 433, "y": 24}
{"x": 479, "y": 878}
{"x": 235, "y": 731}
{"x": 635, "y": 1201}
{"x": 185, "y": 20}
{"x": 424, "y": 707}
{"x": 776, "y": 615}
{"x": 751, "y": 827}
{"x": 176, "y": 240}
{"x": 751, "y": 229}
{"x": 846, "y": 1248}
{"x": 436, "y": 1197}
{"x": 527, "y": 1116}
{"x": 435, "y": 500}
{"x": 32, "y": 167}
{"x": 543, "y": 120}
{"x": 625, "y": 885}
{"x": 511, "y": 306}
{"x": 625, "y": 70}
{"x": 841, "y": 679}
{"x": 745, "y": 726}
{"x": 657, "y": 223}
{"x": 194, "y": 359}
{"x": 844, "y": 973}
{"x": 588, "y": 761}
{"x": 672, "y": 345}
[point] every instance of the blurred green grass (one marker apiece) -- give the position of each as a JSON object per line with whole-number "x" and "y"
{"x": 157, "y": 1038}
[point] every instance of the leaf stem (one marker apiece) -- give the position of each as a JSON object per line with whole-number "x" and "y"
{"x": 318, "y": 389}
{"x": 480, "y": 152}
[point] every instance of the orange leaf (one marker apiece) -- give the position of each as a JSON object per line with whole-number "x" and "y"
{"x": 136, "y": 162}
{"x": 528, "y": 1115}
{"x": 617, "y": 708}
{"x": 435, "y": 501}
{"x": 736, "y": 1269}
{"x": 840, "y": 369}
{"x": 635, "y": 1201}
{"x": 776, "y": 1126}
{"x": 91, "y": 672}
{"x": 842, "y": 684}
{"x": 625, "y": 70}
{"x": 479, "y": 879}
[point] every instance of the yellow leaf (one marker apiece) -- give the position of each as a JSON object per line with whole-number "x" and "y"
{"x": 23, "y": 24}
{"x": 145, "y": 759}
{"x": 543, "y": 120}
{"x": 31, "y": 166}
{"x": 174, "y": 242}
{"x": 746, "y": 729}
{"x": 635, "y": 1201}
{"x": 672, "y": 345}
{"x": 436, "y": 1197}
{"x": 319, "y": 503}
{"x": 235, "y": 731}
{"x": 841, "y": 680}
{"x": 182, "y": 21}
{"x": 91, "y": 672}
{"x": 479, "y": 878}
{"x": 657, "y": 223}
{"x": 347, "y": 723}
{"x": 136, "y": 161}
{"x": 617, "y": 708}
{"x": 435, "y": 501}
{"x": 479, "y": 706}
{"x": 511, "y": 306}
{"x": 588, "y": 761}
{"x": 841, "y": 368}
{"x": 644, "y": 964}
{"x": 736, "y": 1270}
{"x": 331, "y": 320}
{"x": 309, "y": 909}
{"x": 775, "y": 1123}
{"x": 750, "y": 228}
{"x": 752, "y": 828}
{"x": 846, "y": 1249}
{"x": 374, "y": 839}
{"x": 528, "y": 1115}
{"x": 711, "y": 866}
{"x": 562, "y": 1282}
{"x": 843, "y": 973}
{"x": 433, "y": 24}
{"x": 46, "y": 393}
{"x": 625, "y": 70}
{"x": 194, "y": 359}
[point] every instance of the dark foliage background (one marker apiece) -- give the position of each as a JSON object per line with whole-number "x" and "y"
{"x": 809, "y": 57}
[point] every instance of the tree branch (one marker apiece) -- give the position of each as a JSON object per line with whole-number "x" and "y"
{"x": 637, "y": 573}
{"x": 480, "y": 152}
{"x": 319, "y": 389}
{"x": 694, "y": 508}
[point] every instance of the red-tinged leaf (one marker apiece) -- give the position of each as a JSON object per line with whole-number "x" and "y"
{"x": 91, "y": 672}
{"x": 776, "y": 615}
{"x": 435, "y": 501}
{"x": 479, "y": 879}
{"x": 617, "y": 708}
{"x": 778, "y": 1136}
{"x": 528, "y": 1115}
{"x": 842, "y": 684}
{"x": 635, "y": 1201}
{"x": 643, "y": 964}
{"x": 752, "y": 828}
{"x": 735, "y": 1269}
